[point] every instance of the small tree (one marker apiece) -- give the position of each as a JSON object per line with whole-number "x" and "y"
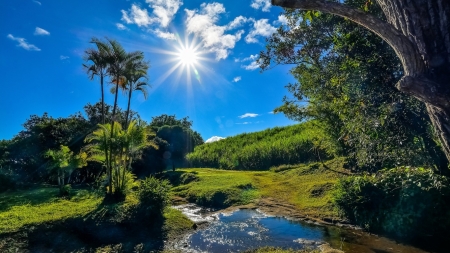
{"x": 126, "y": 145}
{"x": 62, "y": 163}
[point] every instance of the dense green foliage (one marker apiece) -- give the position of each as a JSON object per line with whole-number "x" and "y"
{"x": 153, "y": 195}
{"x": 405, "y": 202}
{"x": 175, "y": 138}
{"x": 259, "y": 151}
{"x": 346, "y": 78}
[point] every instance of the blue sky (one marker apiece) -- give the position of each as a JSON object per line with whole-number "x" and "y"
{"x": 43, "y": 43}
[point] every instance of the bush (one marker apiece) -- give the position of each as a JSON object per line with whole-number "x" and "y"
{"x": 405, "y": 202}
{"x": 65, "y": 191}
{"x": 7, "y": 180}
{"x": 153, "y": 195}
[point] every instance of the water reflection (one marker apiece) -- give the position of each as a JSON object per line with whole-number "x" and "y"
{"x": 246, "y": 229}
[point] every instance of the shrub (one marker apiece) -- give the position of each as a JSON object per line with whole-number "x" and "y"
{"x": 7, "y": 180}
{"x": 153, "y": 195}
{"x": 404, "y": 202}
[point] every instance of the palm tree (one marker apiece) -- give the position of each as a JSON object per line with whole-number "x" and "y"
{"x": 117, "y": 59}
{"x": 98, "y": 68}
{"x": 124, "y": 144}
{"x": 135, "y": 79}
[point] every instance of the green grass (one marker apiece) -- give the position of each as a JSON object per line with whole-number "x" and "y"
{"x": 218, "y": 188}
{"x": 308, "y": 187}
{"x": 41, "y": 205}
{"x": 176, "y": 222}
{"x": 279, "y": 250}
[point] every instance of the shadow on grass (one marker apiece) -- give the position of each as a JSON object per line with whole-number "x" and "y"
{"x": 34, "y": 196}
{"x": 104, "y": 228}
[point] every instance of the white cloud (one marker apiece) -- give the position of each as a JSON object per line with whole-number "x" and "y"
{"x": 252, "y": 57}
{"x": 23, "y": 44}
{"x": 164, "y": 10}
{"x": 137, "y": 16}
{"x": 237, "y": 79}
{"x": 162, "y": 14}
{"x": 260, "y": 28}
{"x": 237, "y": 22}
{"x": 164, "y": 35}
{"x": 264, "y": 5}
{"x": 202, "y": 23}
{"x": 281, "y": 20}
{"x": 244, "y": 123}
{"x": 248, "y": 115}
{"x": 121, "y": 26}
{"x": 213, "y": 139}
{"x": 63, "y": 57}
{"x": 37, "y": 2}
{"x": 40, "y": 31}
{"x": 252, "y": 66}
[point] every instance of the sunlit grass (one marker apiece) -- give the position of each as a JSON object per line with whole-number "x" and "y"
{"x": 308, "y": 187}
{"x": 176, "y": 222}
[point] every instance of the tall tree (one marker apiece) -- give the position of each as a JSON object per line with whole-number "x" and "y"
{"x": 136, "y": 80}
{"x": 117, "y": 59}
{"x": 99, "y": 68}
{"x": 418, "y": 31}
{"x": 347, "y": 74}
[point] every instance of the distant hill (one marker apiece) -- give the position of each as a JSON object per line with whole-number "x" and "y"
{"x": 295, "y": 144}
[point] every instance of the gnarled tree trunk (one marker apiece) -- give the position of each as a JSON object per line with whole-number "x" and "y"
{"x": 419, "y": 32}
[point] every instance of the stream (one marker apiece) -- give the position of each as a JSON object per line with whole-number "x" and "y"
{"x": 249, "y": 228}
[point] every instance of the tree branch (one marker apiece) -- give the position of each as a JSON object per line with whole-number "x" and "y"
{"x": 414, "y": 81}
{"x": 404, "y": 48}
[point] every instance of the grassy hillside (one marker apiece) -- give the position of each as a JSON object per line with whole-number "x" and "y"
{"x": 260, "y": 150}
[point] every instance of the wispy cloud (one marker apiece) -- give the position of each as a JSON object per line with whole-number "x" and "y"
{"x": 162, "y": 14}
{"x": 252, "y": 66}
{"x": 23, "y": 44}
{"x": 238, "y": 22}
{"x": 260, "y": 28}
{"x": 37, "y": 2}
{"x": 40, "y": 31}
{"x": 252, "y": 57}
{"x": 121, "y": 26}
{"x": 264, "y": 5}
{"x": 164, "y": 35}
{"x": 63, "y": 57}
{"x": 202, "y": 23}
{"x": 244, "y": 123}
{"x": 214, "y": 138}
{"x": 237, "y": 79}
{"x": 248, "y": 115}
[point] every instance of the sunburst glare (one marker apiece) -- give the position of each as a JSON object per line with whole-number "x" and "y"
{"x": 187, "y": 56}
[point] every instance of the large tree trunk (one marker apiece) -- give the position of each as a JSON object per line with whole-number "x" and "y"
{"x": 419, "y": 32}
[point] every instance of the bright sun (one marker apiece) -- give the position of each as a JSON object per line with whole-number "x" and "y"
{"x": 188, "y": 56}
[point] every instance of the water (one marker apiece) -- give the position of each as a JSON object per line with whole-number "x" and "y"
{"x": 247, "y": 228}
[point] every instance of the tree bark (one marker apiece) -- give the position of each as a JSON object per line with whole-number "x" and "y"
{"x": 419, "y": 33}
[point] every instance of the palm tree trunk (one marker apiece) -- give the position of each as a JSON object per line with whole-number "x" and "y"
{"x": 112, "y": 131}
{"x": 103, "y": 98}
{"x": 128, "y": 107}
